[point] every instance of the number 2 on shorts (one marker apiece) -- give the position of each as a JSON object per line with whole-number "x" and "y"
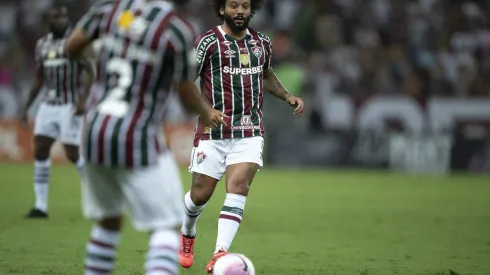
{"x": 114, "y": 104}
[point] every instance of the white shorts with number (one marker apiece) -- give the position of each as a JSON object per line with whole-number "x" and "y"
{"x": 59, "y": 122}
{"x": 152, "y": 194}
{"x": 211, "y": 157}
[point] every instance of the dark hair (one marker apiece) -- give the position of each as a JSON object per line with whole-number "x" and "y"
{"x": 218, "y": 4}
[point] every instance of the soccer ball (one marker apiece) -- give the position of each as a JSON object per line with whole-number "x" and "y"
{"x": 233, "y": 264}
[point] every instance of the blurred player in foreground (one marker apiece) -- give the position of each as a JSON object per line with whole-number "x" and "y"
{"x": 145, "y": 50}
{"x": 234, "y": 64}
{"x": 60, "y": 114}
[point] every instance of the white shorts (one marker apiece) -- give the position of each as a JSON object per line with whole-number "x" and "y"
{"x": 59, "y": 122}
{"x": 211, "y": 157}
{"x": 153, "y": 194}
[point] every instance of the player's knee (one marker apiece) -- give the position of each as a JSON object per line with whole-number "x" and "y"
{"x": 72, "y": 156}
{"x": 113, "y": 224}
{"x": 41, "y": 153}
{"x": 240, "y": 187}
{"x": 202, "y": 188}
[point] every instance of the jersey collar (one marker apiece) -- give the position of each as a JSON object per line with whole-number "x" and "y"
{"x": 220, "y": 28}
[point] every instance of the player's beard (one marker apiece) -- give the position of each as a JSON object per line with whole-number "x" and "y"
{"x": 58, "y": 31}
{"x": 234, "y": 27}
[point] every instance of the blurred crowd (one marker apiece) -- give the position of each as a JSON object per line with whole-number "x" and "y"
{"x": 358, "y": 48}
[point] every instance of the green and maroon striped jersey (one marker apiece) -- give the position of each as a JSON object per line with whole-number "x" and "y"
{"x": 61, "y": 76}
{"x": 231, "y": 73}
{"x": 144, "y": 49}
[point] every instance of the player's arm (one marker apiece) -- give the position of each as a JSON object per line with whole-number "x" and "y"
{"x": 87, "y": 30}
{"x": 185, "y": 64}
{"x": 36, "y": 85}
{"x": 273, "y": 85}
{"x": 88, "y": 79}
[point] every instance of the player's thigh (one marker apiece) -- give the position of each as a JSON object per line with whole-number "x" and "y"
{"x": 208, "y": 158}
{"x": 243, "y": 162}
{"x": 71, "y": 127}
{"x": 155, "y": 195}
{"x": 47, "y": 120}
{"x": 246, "y": 150}
{"x": 102, "y": 196}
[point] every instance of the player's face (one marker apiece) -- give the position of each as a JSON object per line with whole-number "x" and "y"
{"x": 237, "y": 14}
{"x": 58, "y": 21}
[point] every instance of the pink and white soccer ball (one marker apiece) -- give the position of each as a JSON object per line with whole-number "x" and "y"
{"x": 233, "y": 264}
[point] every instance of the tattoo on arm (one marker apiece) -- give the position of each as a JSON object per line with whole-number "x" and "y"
{"x": 273, "y": 85}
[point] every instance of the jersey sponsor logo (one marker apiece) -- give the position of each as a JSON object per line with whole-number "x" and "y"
{"x": 242, "y": 71}
{"x": 55, "y": 62}
{"x": 252, "y": 42}
{"x": 246, "y": 124}
{"x": 227, "y": 43}
{"x": 203, "y": 46}
{"x": 229, "y": 53}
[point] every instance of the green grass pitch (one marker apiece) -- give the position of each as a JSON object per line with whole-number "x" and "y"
{"x": 295, "y": 222}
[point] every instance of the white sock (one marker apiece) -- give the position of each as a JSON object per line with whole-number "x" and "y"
{"x": 101, "y": 251}
{"x": 80, "y": 164}
{"x": 162, "y": 258}
{"x": 191, "y": 215}
{"x": 229, "y": 220}
{"x": 41, "y": 183}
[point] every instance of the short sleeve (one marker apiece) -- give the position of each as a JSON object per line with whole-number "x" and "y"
{"x": 185, "y": 55}
{"x": 202, "y": 47}
{"x": 267, "y": 43}
{"x": 91, "y": 21}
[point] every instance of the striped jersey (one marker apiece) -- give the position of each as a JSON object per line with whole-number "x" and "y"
{"x": 144, "y": 49}
{"x": 231, "y": 73}
{"x": 61, "y": 76}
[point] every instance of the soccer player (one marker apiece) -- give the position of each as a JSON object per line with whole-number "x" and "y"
{"x": 60, "y": 114}
{"x": 145, "y": 50}
{"x": 234, "y": 67}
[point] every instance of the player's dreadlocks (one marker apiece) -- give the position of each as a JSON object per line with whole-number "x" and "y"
{"x": 255, "y": 5}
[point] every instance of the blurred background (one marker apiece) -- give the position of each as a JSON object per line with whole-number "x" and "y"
{"x": 400, "y": 84}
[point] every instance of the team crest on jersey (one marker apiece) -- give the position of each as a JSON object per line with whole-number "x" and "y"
{"x": 257, "y": 51}
{"x": 245, "y": 120}
{"x": 200, "y": 157}
{"x": 244, "y": 59}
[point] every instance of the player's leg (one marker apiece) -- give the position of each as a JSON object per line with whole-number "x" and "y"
{"x": 45, "y": 133}
{"x": 102, "y": 201}
{"x": 243, "y": 162}
{"x": 207, "y": 166}
{"x": 71, "y": 135}
{"x": 155, "y": 195}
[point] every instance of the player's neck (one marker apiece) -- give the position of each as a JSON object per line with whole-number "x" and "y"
{"x": 237, "y": 36}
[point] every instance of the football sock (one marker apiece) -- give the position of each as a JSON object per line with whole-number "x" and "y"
{"x": 101, "y": 251}
{"x": 229, "y": 220}
{"x": 191, "y": 215}
{"x": 80, "y": 163}
{"x": 162, "y": 258}
{"x": 41, "y": 183}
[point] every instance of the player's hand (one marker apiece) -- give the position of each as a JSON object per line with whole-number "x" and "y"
{"x": 214, "y": 118}
{"x": 79, "y": 110}
{"x": 297, "y": 104}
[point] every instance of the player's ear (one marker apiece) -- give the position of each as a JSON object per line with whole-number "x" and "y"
{"x": 222, "y": 11}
